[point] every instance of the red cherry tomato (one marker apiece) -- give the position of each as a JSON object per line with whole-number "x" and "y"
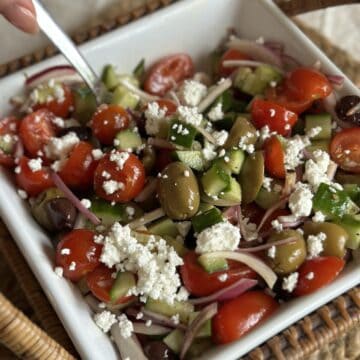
{"x": 8, "y": 126}
{"x": 168, "y": 71}
{"x": 107, "y": 121}
{"x": 33, "y": 182}
{"x": 345, "y": 149}
{"x": 307, "y": 84}
{"x": 274, "y": 157}
{"x": 170, "y": 106}
{"x": 267, "y": 227}
{"x": 231, "y": 54}
{"x": 276, "y": 117}
{"x": 100, "y": 282}
{"x": 201, "y": 283}
{"x": 59, "y": 107}
{"x": 36, "y": 130}
{"x": 129, "y": 180}
{"x": 325, "y": 270}
{"x": 78, "y": 170}
{"x": 78, "y": 254}
{"x": 238, "y": 316}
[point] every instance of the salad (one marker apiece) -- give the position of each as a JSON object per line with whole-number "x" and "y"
{"x": 189, "y": 207}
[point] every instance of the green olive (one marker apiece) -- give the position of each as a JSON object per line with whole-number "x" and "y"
{"x": 178, "y": 191}
{"x": 242, "y": 129}
{"x": 290, "y": 256}
{"x": 252, "y": 176}
{"x": 336, "y": 237}
{"x": 148, "y": 158}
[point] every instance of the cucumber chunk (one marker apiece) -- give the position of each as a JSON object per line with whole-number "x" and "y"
{"x": 175, "y": 340}
{"x": 320, "y": 120}
{"x": 125, "y": 98}
{"x": 323, "y": 145}
{"x": 181, "y": 134}
{"x": 205, "y": 330}
{"x": 215, "y": 180}
{"x": 127, "y": 139}
{"x": 192, "y": 158}
{"x": 109, "y": 77}
{"x": 123, "y": 283}
{"x": 232, "y": 161}
{"x": 232, "y": 193}
{"x": 206, "y": 219}
{"x": 351, "y": 223}
{"x": 84, "y": 103}
{"x": 212, "y": 264}
{"x": 139, "y": 70}
{"x": 164, "y": 227}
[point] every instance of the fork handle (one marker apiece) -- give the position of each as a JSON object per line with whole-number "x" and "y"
{"x": 295, "y": 7}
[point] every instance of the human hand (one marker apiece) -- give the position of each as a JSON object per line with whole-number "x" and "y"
{"x": 21, "y": 13}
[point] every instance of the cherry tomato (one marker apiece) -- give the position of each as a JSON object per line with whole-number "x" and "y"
{"x": 170, "y": 106}
{"x": 345, "y": 149}
{"x": 267, "y": 227}
{"x": 100, "y": 282}
{"x": 238, "y": 316}
{"x": 167, "y": 72}
{"x": 201, "y": 283}
{"x": 325, "y": 269}
{"x": 274, "y": 157}
{"x": 36, "y": 130}
{"x": 128, "y": 180}
{"x": 78, "y": 170}
{"x": 231, "y": 54}
{"x": 59, "y": 107}
{"x": 33, "y": 182}
{"x": 253, "y": 212}
{"x": 307, "y": 84}
{"x": 276, "y": 117}
{"x": 78, "y": 254}
{"x": 107, "y": 121}
{"x": 163, "y": 159}
{"x": 8, "y": 126}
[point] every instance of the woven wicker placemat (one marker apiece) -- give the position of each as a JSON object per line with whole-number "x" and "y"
{"x": 332, "y": 332}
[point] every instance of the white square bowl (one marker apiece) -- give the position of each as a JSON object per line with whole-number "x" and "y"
{"x": 195, "y": 27}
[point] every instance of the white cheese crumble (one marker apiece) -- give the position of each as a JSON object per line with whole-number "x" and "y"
{"x": 59, "y": 271}
{"x": 192, "y": 92}
{"x": 318, "y": 217}
{"x": 267, "y": 183}
{"x": 222, "y": 236}
{"x": 189, "y": 115}
{"x": 208, "y": 151}
{"x": 223, "y": 277}
{"x": 97, "y": 154}
{"x": 272, "y": 252}
{"x": 289, "y": 283}
{"x": 130, "y": 211}
{"x": 250, "y": 229}
{"x": 277, "y": 225}
{"x": 314, "y": 131}
{"x": 315, "y": 244}
{"x": 22, "y": 193}
{"x": 216, "y": 112}
{"x": 126, "y": 326}
{"x": 65, "y": 251}
{"x": 148, "y": 323}
{"x": 58, "y": 121}
{"x": 111, "y": 186}
{"x": 300, "y": 201}
{"x": 294, "y": 147}
{"x": 139, "y": 315}
{"x": 17, "y": 170}
{"x": 183, "y": 227}
{"x": 105, "y": 320}
{"x": 154, "y": 115}
{"x": 316, "y": 168}
{"x": 35, "y": 164}
{"x": 175, "y": 319}
{"x": 59, "y": 148}
{"x": 186, "y": 173}
{"x": 310, "y": 275}
{"x": 72, "y": 266}
{"x": 220, "y": 137}
{"x": 86, "y": 203}
{"x": 119, "y": 158}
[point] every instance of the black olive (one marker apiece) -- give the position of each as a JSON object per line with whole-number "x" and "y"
{"x": 157, "y": 350}
{"x": 83, "y": 132}
{"x": 61, "y": 213}
{"x": 344, "y": 106}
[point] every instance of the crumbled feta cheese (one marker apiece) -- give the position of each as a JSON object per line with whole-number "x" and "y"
{"x": 35, "y": 164}
{"x": 105, "y": 320}
{"x": 126, "y": 326}
{"x": 99, "y": 239}
{"x": 130, "y": 211}
{"x": 244, "y": 143}
{"x": 216, "y": 112}
{"x": 139, "y": 315}
{"x": 192, "y": 92}
{"x": 86, "y": 203}
{"x": 111, "y": 186}
{"x": 58, "y": 121}
{"x": 148, "y": 323}
{"x": 250, "y": 229}
{"x": 294, "y": 147}
{"x": 289, "y": 283}
{"x": 72, "y": 266}
{"x": 119, "y": 158}
{"x": 314, "y": 131}
{"x": 310, "y": 275}
{"x": 106, "y": 174}
{"x": 97, "y": 154}
{"x": 59, "y": 148}
{"x": 183, "y": 227}
{"x": 22, "y": 193}
{"x": 222, "y": 236}
{"x": 318, "y": 217}
{"x": 182, "y": 294}
{"x": 17, "y": 170}
{"x": 189, "y": 115}
{"x": 220, "y": 137}
{"x": 272, "y": 252}
{"x": 101, "y": 305}
{"x": 315, "y": 244}
{"x": 300, "y": 201}
{"x": 208, "y": 151}
{"x": 222, "y": 152}
{"x": 65, "y": 251}
{"x": 267, "y": 183}
{"x": 175, "y": 319}
{"x": 277, "y": 225}
{"x": 59, "y": 271}
{"x": 154, "y": 115}
{"x": 260, "y": 40}
{"x": 223, "y": 277}
{"x": 186, "y": 173}
{"x": 57, "y": 165}
{"x": 265, "y": 133}
{"x": 316, "y": 169}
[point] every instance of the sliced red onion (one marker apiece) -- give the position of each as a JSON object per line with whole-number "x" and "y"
{"x": 214, "y": 93}
{"x": 250, "y": 260}
{"x": 174, "y": 97}
{"x": 249, "y": 63}
{"x": 299, "y": 173}
{"x": 148, "y": 190}
{"x": 19, "y": 149}
{"x": 267, "y": 245}
{"x": 241, "y": 224}
{"x": 256, "y": 51}
{"x": 205, "y": 134}
{"x": 275, "y": 46}
{"x": 335, "y": 79}
{"x": 130, "y": 347}
{"x": 73, "y": 199}
{"x": 153, "y": 329}
{"x": 161, "y": 143}
{"x": 308, "y": 154}
{"x": 331, "y": 170}
{"x": 269, "y": 211}
{"x": 231, "y": 214}
{"x": 291, "y": 221}
{"x": 205, "y": 314}
{"x": 329, "y": 104}
{"x": 290, "y": 61}
{"x": 230, "y": 292}
{"x": 203, "y": 78}
{"x": 142, "y": 94}
{"x": 146, "y": 218}
{"x": 290, "y": 181}
{"x": 63, "y": 73}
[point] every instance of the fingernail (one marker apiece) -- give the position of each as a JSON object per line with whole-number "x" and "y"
{"x": 22, "y": 18}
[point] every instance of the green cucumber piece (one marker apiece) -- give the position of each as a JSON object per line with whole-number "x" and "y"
{"x": 125, "y": 98}
{"x": 123, "y": 283}
{"x": 164, "y": 227}
{"x": 7, "y": 143}
{"x": 232, "y": 193}
{"x": 212, "y": 264}
{"x": 127, "y": 139}
{"x": 234, "y": 161}
{"x": 109, "y": 77}
{"x": 85, "y": 103}
{"x": 206, "y": 219}
{"x": 203, "y": 207}
{"x": 319, "y": 120}
{"x": 181, "y": 134}
{"x": 351, "y": 223}
{"x": 353, "y": 190}
{"x": 192, "y": 158}
{"x": 265, "y": 199}
{"x": 175, "y": 340}
{"x": 215, "y": 180}
{"x": 139, "y": 70}
{"x": 205, "y": 330}
{"x": 183, "y": 308}
{"x": 323, "y": 145}
{"x": 198, "y": 347}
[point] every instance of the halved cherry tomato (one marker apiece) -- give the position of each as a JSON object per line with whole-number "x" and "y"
{"x": 8, "y": 126}
{"x": 231, "y": 54}
{"x": 128, "y": 181}
{"x": 100, "y": 282}
{"x": 324, "y": 271}
{"x": 345, "y": 149}
{"x": 107, "y": 121}
{"x": 274, "y": 157}
{"x": 78, "y": 254}
{"x": 238, "y": 316}
{"x": 276, "y": 117}
{"x": 168, "y": 104}
{"x": 33, "y": 182}
{"x": 201, "y": 283}
{"x": 78, "y": 170}
{"x": 267, "y": 228}
{"x": 59, "y": 107}
{"x": 307, "y": 84}
{"x": 36, "y": 130}
{"x": 168, "y": 71}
